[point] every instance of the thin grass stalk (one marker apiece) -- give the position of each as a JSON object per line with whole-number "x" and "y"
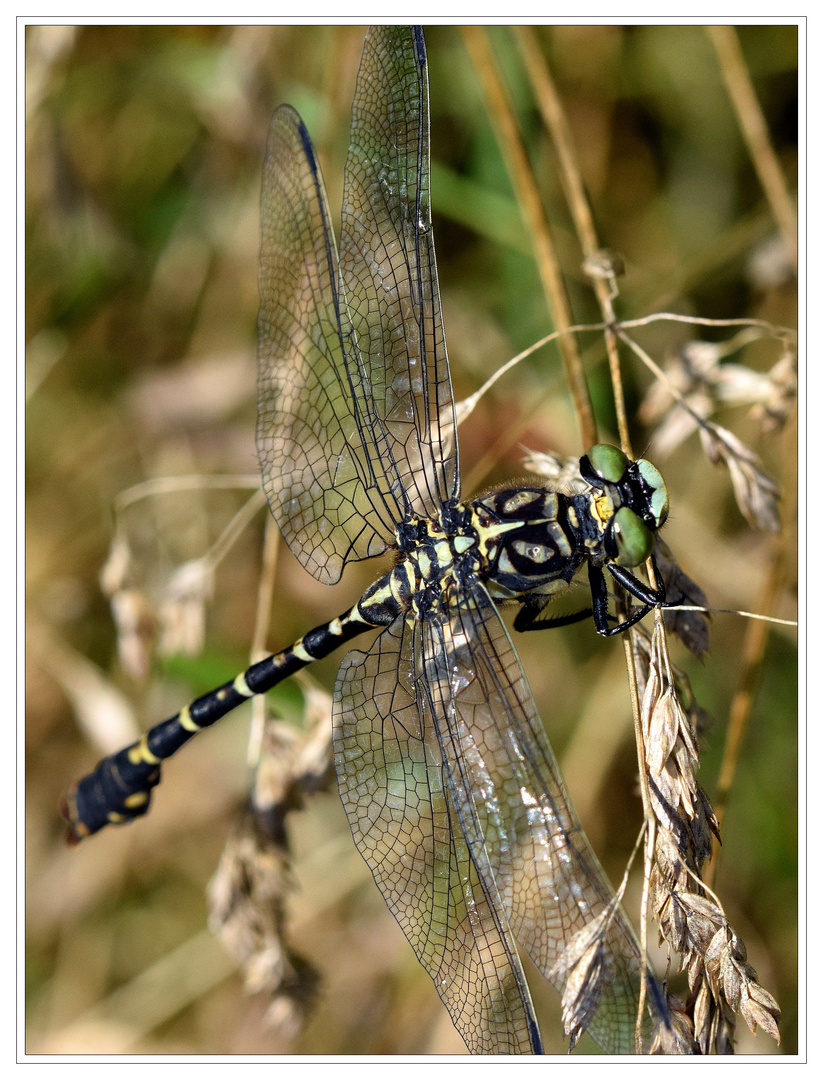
{"x": 604, "y": 287}
{"x": 164, "y": 485}
{"x": 235, "y": 529}
{"x": 571, "y": 178}
{"x": 648, "y": 815}
{"x": 531, "y": 207}
{"x": 755, "y": 131}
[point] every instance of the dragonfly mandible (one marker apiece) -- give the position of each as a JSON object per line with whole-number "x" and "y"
{"x": 451, "y": 788}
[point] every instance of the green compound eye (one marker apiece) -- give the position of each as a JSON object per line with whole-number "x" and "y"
{"x": 659, "y": 497}
{"x": 608, "y": 462}
{"x": 633, "y": 538}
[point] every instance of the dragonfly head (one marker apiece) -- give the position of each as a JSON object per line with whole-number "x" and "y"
{"x": 639, "y": 496}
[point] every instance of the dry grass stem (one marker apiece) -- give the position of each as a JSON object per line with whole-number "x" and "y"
{"x": 170, "y": 485}
{"x": 772, "y": 619}
{"x": 528, "y": 197}
{"x": 692, "y": 923}
{"x": 463, "y": 409}
{"x": 602, "y": 270}
{"x": 756, "y": 493}
{"x": 755, "y": 132}
{"x": 249, "y": 892}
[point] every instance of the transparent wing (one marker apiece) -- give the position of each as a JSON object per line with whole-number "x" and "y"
{"x": 316, "y": 473}
{"x": 519, "y": 822}
{"x": 355, "y": 422}
{"x": 403, "y": 820}
{"x": 389, "y": 277}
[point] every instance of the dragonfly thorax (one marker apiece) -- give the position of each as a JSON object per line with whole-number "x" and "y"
{"x": 530, "y": 537}
{"x": 434, "y": 555}
{"x": 438, "y": 553}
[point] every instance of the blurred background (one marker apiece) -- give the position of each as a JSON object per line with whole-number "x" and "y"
{"x": 144, "y": 154}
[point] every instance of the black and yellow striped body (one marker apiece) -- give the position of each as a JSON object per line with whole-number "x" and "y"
{"x": 524, "y": 544}
{"x": 119, "y": 789}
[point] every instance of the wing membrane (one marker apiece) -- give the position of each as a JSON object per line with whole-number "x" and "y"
{"x": 355, "y": 416}
{"x": 389, "y": 276}
{"x": 403, "y": 820}
{"x": 316, "y": 473}
{"x": 519, "y": 822}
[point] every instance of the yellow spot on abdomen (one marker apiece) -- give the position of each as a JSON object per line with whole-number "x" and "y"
{"x": 140, "y": 753}
{"x": 242, "y": 687}
{"x": 301, "y": 652}
{"x": 186, "y": 721}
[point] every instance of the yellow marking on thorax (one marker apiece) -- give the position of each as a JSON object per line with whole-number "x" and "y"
{"x": 500, "y": 528}
{"x": 519, "y": 500}
{"x": 443, "y": 554}
{"x": 560, "y": 539}
{"x": 550, "y": 505}
{"x": 394, "y": 590}
{"x": 603, "y": 508}
{"x": 505, "y": 564}
{"x": 425, "y": 564}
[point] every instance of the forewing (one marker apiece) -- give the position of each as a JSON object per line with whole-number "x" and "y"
{"x": 317, "y": 475}
{"x": 389, "y": 277}
{"x": 403, "y": 820}
{"x": 520, "y": 824}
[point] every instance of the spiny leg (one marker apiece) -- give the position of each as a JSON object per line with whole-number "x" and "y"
{"x": 529, "y": 617}
{"x": 649, "y": 598}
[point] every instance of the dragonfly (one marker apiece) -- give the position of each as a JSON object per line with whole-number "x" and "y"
{"x": 451, "y": 788}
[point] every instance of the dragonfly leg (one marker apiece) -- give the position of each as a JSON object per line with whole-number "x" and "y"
{"x": 528, "y": 617}
{"x": 649, "y": 598}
